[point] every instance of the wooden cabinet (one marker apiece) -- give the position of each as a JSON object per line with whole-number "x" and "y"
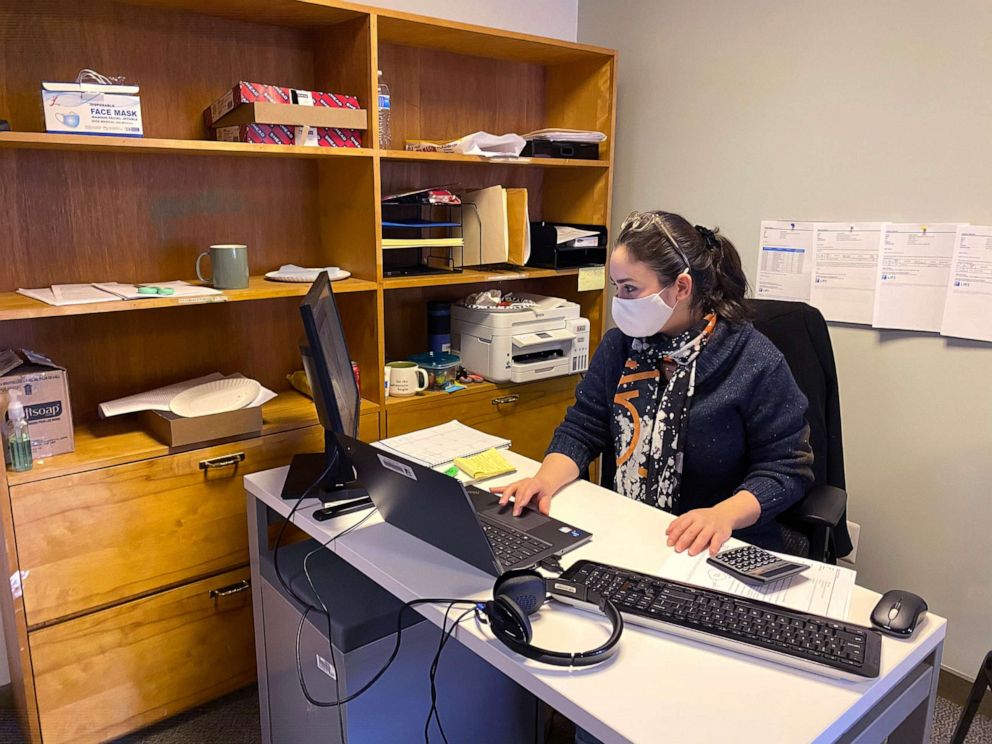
{"x": 100, "y": 537}
{"x": 526, "y": 414}
{"x": 113, "y": 671}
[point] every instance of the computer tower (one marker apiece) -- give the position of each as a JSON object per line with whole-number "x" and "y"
{"x": 476, "y": 702}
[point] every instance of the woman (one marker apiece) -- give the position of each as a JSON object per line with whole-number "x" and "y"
{"x": 694, "y": 410}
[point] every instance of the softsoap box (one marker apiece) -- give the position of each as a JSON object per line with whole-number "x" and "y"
{"x": 44, "y": 391}
{"x": 91, "y": 108}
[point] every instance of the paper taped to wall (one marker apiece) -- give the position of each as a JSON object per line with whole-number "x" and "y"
{"x": 785, "y": 263}
{"x": 968, "y": 306}
{"x": 845, "y": 261}
{"x": 915, "y": 267}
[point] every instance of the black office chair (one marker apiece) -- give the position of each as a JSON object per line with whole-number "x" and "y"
{"x": 983, "y": 682}
{"x": 816, "y": 527}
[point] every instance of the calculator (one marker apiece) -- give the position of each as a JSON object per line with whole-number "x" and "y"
{"x": 755, "y": 566}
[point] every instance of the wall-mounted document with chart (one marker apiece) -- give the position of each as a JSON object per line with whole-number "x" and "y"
{"x": 914, "y": 270}
{"x": 968, "y": 306}
{"x": 845, "y": 261}
{"x": 785, "y": 263}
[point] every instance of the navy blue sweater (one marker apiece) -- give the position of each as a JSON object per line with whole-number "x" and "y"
{"x": 746, "y": 428}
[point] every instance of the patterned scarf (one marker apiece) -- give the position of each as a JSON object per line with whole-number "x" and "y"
{"x": 650, "y": 416}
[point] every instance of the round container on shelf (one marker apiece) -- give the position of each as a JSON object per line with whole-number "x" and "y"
{"x": 439, "y": 326}
{"x": 441, "y": 368}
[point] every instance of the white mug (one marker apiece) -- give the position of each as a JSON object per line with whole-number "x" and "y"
{"x": 404, "y": 378}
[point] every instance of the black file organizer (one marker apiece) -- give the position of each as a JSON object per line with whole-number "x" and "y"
{"x": 546, "y": 253}
{"x": 426, "y": 221}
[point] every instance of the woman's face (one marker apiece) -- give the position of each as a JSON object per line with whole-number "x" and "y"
{"x": 633, "y": 279}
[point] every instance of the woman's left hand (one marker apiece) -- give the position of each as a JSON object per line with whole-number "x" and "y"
{"x": 699, "y": 529}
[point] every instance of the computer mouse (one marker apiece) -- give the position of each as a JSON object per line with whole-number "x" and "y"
{"x": 898, "y": 612}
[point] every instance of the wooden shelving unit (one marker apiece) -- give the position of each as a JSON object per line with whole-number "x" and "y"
{"x": 98, "y": 529}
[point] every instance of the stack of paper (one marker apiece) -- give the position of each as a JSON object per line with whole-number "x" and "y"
{"x": 62, "y": 295}
{"x": 566, "y": 135}
{"x": 422, "y": 243}
{"x": 488, "y": 464}
{"x": 821, "y": 589}
{"x": 440, "y": 445}
{"x": 179, "y": 289}
{"x": 576, "y": 237}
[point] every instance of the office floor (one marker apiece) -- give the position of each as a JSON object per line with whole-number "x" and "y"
{"x": 234, "y": 720}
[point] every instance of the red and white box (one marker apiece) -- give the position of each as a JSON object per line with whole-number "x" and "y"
{"x": 273, "y": 114}
{"x": 281, "y": 134}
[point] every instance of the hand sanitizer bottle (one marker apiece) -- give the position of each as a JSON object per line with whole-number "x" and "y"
{"x": 18, "y": 439}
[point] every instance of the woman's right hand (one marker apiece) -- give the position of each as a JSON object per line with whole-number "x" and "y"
{"x": 535, "y": 492}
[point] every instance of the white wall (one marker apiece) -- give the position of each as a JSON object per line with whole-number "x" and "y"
{"x": 731, "y": 112}
{"x": 555, "y": 18}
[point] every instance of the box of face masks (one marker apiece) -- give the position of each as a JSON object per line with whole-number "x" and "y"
{"x": 91, "y": 108}
{"x": 44, "y": 391}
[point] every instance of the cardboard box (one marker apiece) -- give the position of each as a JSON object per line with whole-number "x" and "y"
{"x": 338, "y": 119}
{"x": 280, "y": 134}
{"x": 177, "y": 431}
{"x": 244, "y": 92}
{"x": 262, "y": 112}
{"x": 89, "y": 108}
{"x": 44, "y": 391}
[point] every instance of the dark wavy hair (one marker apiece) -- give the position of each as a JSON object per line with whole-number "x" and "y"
{"x": 669, "y": 244}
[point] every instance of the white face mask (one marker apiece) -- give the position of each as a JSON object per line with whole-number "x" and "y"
{"x": 642, "y": 317}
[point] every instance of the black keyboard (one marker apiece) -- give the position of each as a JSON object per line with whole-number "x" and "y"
{"x": 789, "y": 637}
{"x": 511, "y": 546}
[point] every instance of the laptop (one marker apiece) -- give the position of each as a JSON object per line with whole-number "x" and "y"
{"x": 465, "y": 522}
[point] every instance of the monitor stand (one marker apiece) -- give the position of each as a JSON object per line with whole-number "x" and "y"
{"x": 337, "y": 486}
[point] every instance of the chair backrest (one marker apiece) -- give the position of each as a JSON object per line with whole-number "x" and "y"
{"x": 800, "y": 333}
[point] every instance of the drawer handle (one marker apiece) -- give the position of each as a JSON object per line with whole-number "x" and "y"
{"x": 506, "y": 399}
{"x": 227, "y": 591}
{"x": 223, "y": 461}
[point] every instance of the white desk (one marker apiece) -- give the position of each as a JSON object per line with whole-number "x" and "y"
{"x": 658, "y": 688}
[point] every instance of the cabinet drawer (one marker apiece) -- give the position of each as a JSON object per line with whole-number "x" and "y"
{"x": 368, "y": 427}
{"x": 526, "y": 414}
{"x": 122, "y": 668}
{"x": 95, "y": 538}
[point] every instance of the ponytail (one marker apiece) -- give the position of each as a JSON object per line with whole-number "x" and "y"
{"x": 729, "y": 286}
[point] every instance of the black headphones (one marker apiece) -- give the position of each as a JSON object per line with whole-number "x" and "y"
{"x": 518, "y": 594}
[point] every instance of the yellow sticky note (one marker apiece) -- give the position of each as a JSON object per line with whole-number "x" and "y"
{"x": 592, "y": 278}
{"x": 487, "y": 464}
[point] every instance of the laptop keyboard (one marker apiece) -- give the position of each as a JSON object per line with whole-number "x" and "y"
{"x": 511, "y": 546}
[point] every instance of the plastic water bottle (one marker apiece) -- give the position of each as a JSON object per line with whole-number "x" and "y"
{"x": 385, "y": 134}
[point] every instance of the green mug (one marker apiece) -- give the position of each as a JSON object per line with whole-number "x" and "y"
{"x": 230, "y": 266}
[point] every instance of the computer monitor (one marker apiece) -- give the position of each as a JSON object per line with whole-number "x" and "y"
{"x": 335, "y": 395}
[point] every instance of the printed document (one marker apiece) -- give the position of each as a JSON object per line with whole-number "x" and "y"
{"x": 61, "y": 295}
{"x": 914, "y": 269}
{"x": 821, "y": 589}
{"x": 845, "y": 262}
{"x": 968, "y": 308}
{"x": 440, "y": 445}
{"x": 785, "y": 263}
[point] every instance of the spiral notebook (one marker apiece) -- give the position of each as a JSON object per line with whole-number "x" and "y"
{"x": 440, "y": 445}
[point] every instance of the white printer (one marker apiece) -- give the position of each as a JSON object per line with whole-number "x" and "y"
{"x": 545, "y": 339}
